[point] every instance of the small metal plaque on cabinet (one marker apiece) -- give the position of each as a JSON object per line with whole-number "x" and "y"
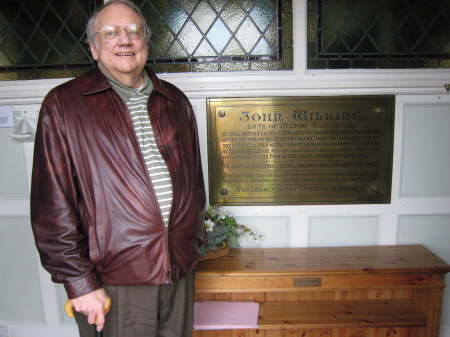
{"x": 308, "y": 282}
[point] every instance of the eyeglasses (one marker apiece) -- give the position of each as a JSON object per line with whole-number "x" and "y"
{"x": 111, "y": 33}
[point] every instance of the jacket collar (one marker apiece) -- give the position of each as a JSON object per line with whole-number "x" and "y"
{"x": 158, "y": 84}
{"x": 95, "y": 81}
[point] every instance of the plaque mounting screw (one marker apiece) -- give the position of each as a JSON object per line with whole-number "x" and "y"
{"x": 377, "y": 190}
{"x": 223, "y": 192}
{"x": 221, "y": 113}
{"x": 380, "y": 111}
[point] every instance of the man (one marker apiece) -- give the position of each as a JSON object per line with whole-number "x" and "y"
{"x": 117, "y": 198}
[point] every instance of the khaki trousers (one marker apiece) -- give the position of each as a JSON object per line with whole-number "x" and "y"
{"x": 147, "y": 311}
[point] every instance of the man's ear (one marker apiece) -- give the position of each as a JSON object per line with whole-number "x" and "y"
{"x": 93, "y": 51}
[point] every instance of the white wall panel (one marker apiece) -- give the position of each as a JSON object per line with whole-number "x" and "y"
{"x": 343, "y": 231}
{"x": 20, "y": 295}
{"x": 426, "y": 151}
{"x": 12, "y": 167}
{"x": 278, "y": 227}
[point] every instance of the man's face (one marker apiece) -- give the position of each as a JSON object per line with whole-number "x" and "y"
{"x": 123, "y": 58}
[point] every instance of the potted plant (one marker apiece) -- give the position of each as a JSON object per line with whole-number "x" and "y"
{"x": 224, "y": 232}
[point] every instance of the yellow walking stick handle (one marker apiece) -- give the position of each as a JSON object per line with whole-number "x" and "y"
{"x": 68, "y": 308}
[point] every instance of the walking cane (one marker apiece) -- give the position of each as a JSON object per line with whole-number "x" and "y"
{"x": 68, "y": 308}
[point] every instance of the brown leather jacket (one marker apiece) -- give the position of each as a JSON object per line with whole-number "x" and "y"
{"x": 94, "y": 212}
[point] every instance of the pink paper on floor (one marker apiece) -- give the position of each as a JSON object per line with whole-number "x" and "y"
{"x": 216, "y": 315}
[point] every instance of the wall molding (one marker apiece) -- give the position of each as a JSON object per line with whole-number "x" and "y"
{"x": 419, "y": 82}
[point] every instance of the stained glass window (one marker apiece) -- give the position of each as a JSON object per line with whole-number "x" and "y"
{"x": 45, "y": 39}
{"x": 381, "y": 34}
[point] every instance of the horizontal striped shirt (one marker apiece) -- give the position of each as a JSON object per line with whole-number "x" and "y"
{"x": 156, "y": 166}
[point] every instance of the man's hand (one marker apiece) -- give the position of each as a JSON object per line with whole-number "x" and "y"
{"x": 93, "y": 306}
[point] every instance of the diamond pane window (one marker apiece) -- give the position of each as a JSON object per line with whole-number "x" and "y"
{"x": 45, "y": 39}
{"x": 219, "y": 35}
{"x": 383, "y": 34}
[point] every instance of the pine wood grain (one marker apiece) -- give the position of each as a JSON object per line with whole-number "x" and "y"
{"x": 334, "y": 292}
{"x": 322, "y": 314}
{"x": 327, "y": 260}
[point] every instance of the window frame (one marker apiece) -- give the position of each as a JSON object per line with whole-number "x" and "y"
{"x": 299, "y": 81}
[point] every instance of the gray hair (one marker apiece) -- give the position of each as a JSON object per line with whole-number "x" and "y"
{"x": 90, "y": 26}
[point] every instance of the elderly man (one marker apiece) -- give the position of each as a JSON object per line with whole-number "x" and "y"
{"x": 117, "y": 194}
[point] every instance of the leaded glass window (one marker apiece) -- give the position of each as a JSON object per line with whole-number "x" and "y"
{"x": 219, "y": 35}
{"x": 45, "y": 39}
{"x": 383, "y": 34}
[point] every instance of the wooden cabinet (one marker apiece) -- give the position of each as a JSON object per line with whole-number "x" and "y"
{"x": 333, "y": 292}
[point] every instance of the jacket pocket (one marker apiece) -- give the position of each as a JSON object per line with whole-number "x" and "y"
{"x": 94, "y": 247}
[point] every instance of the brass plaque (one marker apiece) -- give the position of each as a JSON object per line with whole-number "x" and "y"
{"x": 300, "y": 150}
{"x": 308, "y": 282}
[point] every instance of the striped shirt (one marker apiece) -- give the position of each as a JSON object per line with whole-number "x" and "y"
{"x": 156, "y": 166}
